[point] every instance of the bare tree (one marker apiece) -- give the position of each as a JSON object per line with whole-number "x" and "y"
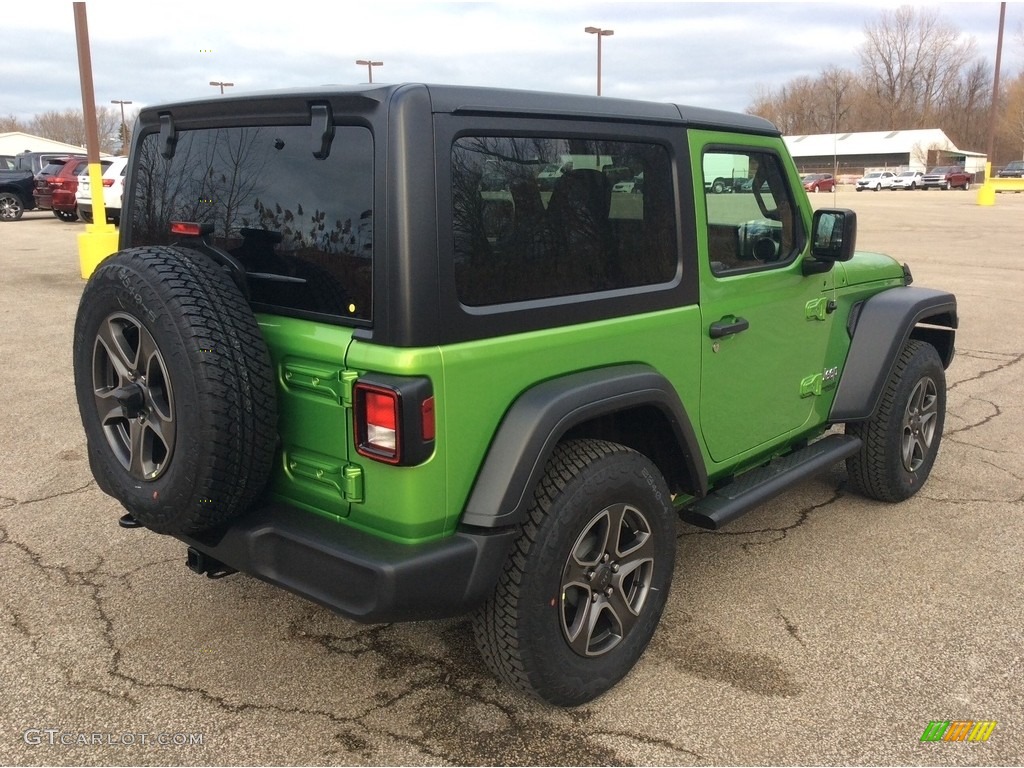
{"x": 68, "y": 126}
{"x": 910, "y": 58}
{"x": 11, "y": 124}
{"x": 963, "y": 109}
{"x": 1011, "y": 128}
{"x": 808, "y": 105}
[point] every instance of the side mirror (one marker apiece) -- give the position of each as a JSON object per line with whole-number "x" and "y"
{"x": 834, "y": 234}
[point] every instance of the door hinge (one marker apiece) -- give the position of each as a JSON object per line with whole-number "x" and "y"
{"x": 348, "y": 383}
{"x": 322, "y": 381}
{"x": 346, "y": 480}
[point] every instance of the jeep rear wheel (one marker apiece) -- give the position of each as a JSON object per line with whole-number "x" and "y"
{"x": 901, "y": 440}
{"x": 175, "y": 389}
{"x": 68, "y": 216}
{"x": 585, "y": 585}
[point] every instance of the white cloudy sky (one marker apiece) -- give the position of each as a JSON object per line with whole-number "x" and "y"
{"x": 706, "y": 54}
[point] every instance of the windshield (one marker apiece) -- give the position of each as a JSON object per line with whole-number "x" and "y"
{"x": 941, "y": 169}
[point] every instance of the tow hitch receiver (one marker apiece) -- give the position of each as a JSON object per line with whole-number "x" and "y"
{"x": 200, "y": 563}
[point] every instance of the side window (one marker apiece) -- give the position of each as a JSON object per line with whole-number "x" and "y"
{"x": 540, "y": 217}
{"x": 751, "y": 219}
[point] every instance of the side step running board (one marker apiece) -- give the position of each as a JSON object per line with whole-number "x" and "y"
{"x": 759, "y": 485}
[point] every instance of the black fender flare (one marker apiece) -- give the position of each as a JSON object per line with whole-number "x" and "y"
{"x": 540, "y": 416}
{"x": 879, "y": 327}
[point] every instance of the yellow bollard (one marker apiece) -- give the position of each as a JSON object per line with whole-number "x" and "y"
{"x": 99, "y": 239}
{"x": 94, "y": 245}
{"x": 986, "y": 192}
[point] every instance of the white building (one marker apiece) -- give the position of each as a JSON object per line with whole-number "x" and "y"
{"x": 15, "y": 142}
{"x": 857, "y": 153}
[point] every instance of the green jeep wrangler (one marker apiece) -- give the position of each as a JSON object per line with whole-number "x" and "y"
{"x": 352, "y": 347}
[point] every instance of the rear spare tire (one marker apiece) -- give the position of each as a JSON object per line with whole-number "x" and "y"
{"x": 175, "y": 389}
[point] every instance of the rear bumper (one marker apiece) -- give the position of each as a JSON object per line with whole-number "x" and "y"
{"x": 359, "y": 575}
{"x": 85, "y": 207}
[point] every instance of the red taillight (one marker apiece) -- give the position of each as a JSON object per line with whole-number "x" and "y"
{"x": 186, "y": 228}
{"x": 382, "y": 422}
{"x": 377, "y": 418}
{"x": 108, "y": 182}
{"x": 394, "y": 419}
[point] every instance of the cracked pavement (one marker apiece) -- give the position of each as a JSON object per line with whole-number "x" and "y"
{"x": 821, "y": 628}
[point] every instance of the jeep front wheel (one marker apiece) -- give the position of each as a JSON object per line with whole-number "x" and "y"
{"x": 175, "y": 389}
{"x": 902, "y": 438}
{"x": 586, "y": 583}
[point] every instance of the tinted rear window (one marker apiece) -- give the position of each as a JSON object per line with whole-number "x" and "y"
{"x": 303, "y": 225}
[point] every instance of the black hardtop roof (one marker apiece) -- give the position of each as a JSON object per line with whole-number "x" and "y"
{"x": 457, "y": 99}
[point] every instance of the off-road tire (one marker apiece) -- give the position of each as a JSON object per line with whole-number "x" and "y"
{"x": 68, "y": 216}
{"x": 557, "y": 576}
{"x": 165, "y": 342}
{"x": 11, "y": 207}
{"x": 901, "y": 440}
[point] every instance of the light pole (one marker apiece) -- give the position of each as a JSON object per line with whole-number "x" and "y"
{"x": 369, "y": 64}
{"x": 600, "y": 33}
{"x": 223, "y": 85}
{"x": 124, "y": 126}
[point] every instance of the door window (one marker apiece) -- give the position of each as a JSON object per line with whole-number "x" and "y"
{"x": 750, "y": 216}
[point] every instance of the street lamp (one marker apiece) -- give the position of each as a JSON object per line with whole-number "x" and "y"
{"x": 369, "y": 64}
{"x": 222, "y": 85}
{"x": 600, "y": 33}
{"x": 124, "y": 126}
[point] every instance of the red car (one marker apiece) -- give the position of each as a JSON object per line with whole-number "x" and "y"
{"x": 56, "y": 185}
{"x": 818, "y": 182}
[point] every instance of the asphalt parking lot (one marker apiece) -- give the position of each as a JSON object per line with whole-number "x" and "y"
{"x": 820, "y": 629}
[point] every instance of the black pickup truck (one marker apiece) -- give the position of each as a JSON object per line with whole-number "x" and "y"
{"x": 15, "y": 194}
{"x": 15, "y": 190}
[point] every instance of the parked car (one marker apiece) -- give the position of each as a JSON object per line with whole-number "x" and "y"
{"x": 907, "y": 180}
{"x": 113, "y": 189}
{"x": 876, "y": 180}
{"x": 37, "y": 161}
{"x": 418, "y": 419}
{"x": 56, "y": 185}
{"x": 819, "y": 182}
{"x": 16, "y": 194}
{"x": 1012, "y": 170}
{"x": 947, "y": 177}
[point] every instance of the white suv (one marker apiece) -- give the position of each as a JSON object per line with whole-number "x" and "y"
{"x": 876, "y": 180}
{"x": 113, "y": 189}
{"x": 908, "y": 180}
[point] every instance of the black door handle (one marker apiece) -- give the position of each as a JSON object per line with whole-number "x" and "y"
{"x": 727, "y": 327}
